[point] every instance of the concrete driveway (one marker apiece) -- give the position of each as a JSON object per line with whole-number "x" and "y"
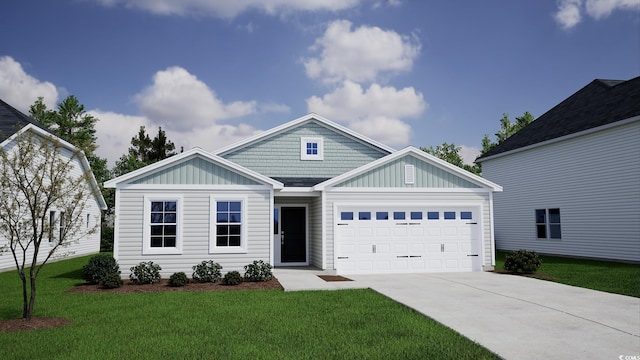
{"x": 518, "y": 317}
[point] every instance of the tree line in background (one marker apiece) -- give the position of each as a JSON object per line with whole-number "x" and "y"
{"x": 451, "y": 153}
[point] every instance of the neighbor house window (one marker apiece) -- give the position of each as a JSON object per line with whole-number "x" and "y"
{"x": 52, "y": 224}
{"x": 311, "y": 148}
{"x": 548, "y": 224}
{"x": 229, "y": 223}
{"x": 63, "y": 225}
{"x": 162, "y": 230}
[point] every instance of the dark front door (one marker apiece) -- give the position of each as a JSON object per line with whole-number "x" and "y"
{"x": 293, "y": 234}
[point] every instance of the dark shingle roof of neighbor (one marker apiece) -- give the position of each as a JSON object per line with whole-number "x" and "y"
{"x": 599, "y": 103}
{"x": 11, "y": 120}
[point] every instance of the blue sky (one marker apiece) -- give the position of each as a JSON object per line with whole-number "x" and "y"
{"x": 211, "y": 73}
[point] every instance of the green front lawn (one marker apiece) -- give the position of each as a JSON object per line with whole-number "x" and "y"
{"x": 260, "y": 324}
{"x": 609, "y": 276}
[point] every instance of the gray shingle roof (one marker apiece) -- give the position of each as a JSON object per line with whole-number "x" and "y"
{"x": 11, "y": 120}
{"x": 599, "y": 103}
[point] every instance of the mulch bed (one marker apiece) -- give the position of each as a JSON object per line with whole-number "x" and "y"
{"x": 35, "y": 323}
{"x": 333, "y": 278}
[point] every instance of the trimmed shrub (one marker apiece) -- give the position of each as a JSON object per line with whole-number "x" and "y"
{"x": 522, "y": 262}
{"x": 206, "y": 271}
{"x": 258, "y": 271}
{"x": 99, "y": 267}
{"x": 232, "y": 278}
{"x": 145, "y": 273}
{"x": 112, "y": 281}
{"x": 178, "y": 279}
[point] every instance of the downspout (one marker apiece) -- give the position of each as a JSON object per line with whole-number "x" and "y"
{"x": 493, "y": 238}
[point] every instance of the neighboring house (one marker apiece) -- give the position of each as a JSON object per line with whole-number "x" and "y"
{"x": 13, "y": 123}
{"x": 306, "y": 193}
{"x": 572, "y": 177}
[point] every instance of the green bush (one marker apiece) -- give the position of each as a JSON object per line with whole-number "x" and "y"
{"x": 206, "y": 271}
{"x": 99, "y": 267}
{"x": 232, "y": 278}
{"x": 145, "y": 273}
{"x": 522, "y": 262}
{"x": 112, "y": 281}
{"x": 258, "y": 271}
{"x": 178, "y": 279}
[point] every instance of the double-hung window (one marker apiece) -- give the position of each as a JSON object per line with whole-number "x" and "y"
{"x": 163, "y": 222}
{"x": 228, "y": 225}
{"x": 548, "y": 224}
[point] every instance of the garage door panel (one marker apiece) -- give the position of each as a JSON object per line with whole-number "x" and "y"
{"x": 397, "y": 240}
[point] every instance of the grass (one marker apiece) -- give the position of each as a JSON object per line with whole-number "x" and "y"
{"x": 609, "y": 276}
{"x": 260, "y": 324}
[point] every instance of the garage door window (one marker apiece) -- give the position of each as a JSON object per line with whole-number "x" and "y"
{"x": 465, "y": 215}
{"x": 364, "y": 215}
{"x": 346, "y": 215}
{"x": 382, "y": 215}
{"x": 399, "y": 215}
{"x": 433, "y": 215}
{"x": 416, "y": 215}
{"x": 449, "y": 215}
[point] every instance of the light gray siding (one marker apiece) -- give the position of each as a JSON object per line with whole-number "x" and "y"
{"x": 279, "y": 155}
{"x": 593, "y": 179}
{"x": 196, "y": 171}
{"x": 418, "y": 199}
{"x": 392, "y": 175}
{"x": 196, "y": 219}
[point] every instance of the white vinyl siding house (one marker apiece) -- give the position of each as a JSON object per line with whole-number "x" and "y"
{"x": 83, "y": 244}
{"x": 278, "y": 196}
{"x": 572, "y": 178}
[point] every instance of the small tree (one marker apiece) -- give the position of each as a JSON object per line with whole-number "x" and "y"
{"x": 35, "y": 180}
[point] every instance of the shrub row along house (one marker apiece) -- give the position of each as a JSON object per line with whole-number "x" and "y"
{"x": 572, "y": 177}
{"x": 15, "y": 125}
{"x": 307, "y": 193}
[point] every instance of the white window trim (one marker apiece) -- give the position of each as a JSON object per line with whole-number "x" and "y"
{"x": 146, "y": 230}
{"x": 215, "y": 249}
{"x": 303, "y": 148}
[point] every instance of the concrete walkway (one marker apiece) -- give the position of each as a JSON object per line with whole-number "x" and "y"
{"x": 515, "y": 317}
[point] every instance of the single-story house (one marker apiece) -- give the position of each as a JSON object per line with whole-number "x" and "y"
{"x": 14, "y": 123}
{"x": 572, "y": 177}
{"x": 307, "y": 193}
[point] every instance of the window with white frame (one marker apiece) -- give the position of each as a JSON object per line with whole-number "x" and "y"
{"x": 52, "y": 225}
{"x": 228, "y": 225}
{"x": 161, "y": 233}
{"x": 311, "y": 148}
{"x": 548, "y": 224}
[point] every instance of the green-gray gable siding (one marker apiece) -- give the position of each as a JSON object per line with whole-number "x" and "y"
{"x": 391, "y": 175}
{"x": 196, "y": 171}
{"x": 279, "y": 155}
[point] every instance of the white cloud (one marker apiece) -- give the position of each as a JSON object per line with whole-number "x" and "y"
{"x": 360, "y": 55}
{"x": 231, "y": 8}
{"x": 569, "y": 12}
{"x": 21, "y": 90}
{"x": 179, "y": 101}
{"x": 375, "y": 112}
{"x": 469, "y": 153}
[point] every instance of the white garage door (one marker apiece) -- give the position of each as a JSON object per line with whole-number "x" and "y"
{"x": 374, "y": 240}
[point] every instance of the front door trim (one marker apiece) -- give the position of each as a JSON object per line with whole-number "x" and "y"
{"x": 276, "y": 237}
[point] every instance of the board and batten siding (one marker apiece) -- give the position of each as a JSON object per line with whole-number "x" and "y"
{"x": 196, "y": 217}
{"x": 392, "y": 175}
{"x": 593, "y": 179}
{"x": 80, "y": 245}
{"x": 425, "y": 200}
{"x": 279, "y": 155}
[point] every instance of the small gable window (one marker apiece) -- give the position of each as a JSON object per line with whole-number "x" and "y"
{"x": 311, "y": 148}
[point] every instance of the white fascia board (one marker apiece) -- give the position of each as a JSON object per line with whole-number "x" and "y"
{"x": 419, "y": 154}
{"x": 175, "y": 159}
{"x": 83, "y": 158}
{"x": 291, "y": 124}
{"x": 563, "y": 138}
{"x": 297, "y": 191}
